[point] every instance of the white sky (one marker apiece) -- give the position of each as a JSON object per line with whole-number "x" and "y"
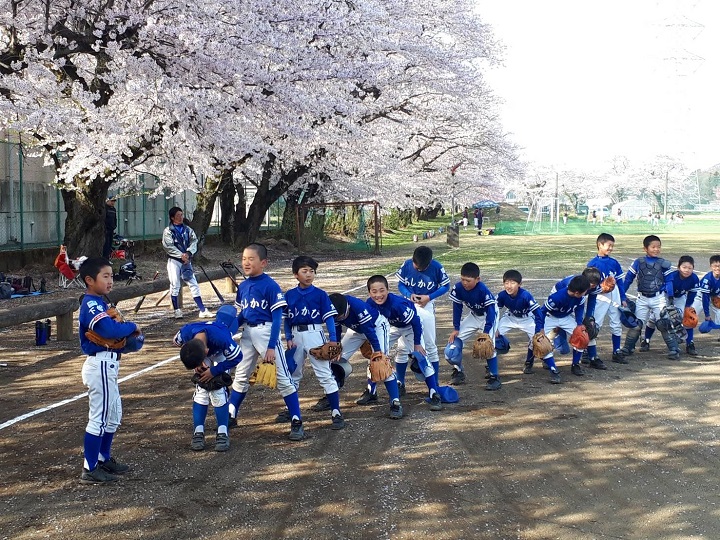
{"x": 585, "y": 81}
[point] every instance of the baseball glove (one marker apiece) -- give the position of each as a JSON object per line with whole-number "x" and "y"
{"x": 542, "y": 345}
{"x": 690, "y": 318}
{"x": 108, "y": 343}
{"x": 216, "y": 383}
{"x": 591, "y": 327}
{"x": 328, "y": 351}
{"x": 579, "y": 338}
{"x": 379, "y": 367}
{"x": 366, "y": 349}
{"x": 607, "y": 284}
{"x": 484, "y": 347}
{"x": 266, "y": 375}
{"x": 715, "y": 301}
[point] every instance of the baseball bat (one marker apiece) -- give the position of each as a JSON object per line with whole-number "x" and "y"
{"x": 220, "y": 296}
{"x": 140, "y": 302}
{"x": 226, "y": 266}
{"x": 163, "y": 297}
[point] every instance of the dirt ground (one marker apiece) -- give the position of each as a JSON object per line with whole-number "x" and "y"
{"x": 631, "y": 452}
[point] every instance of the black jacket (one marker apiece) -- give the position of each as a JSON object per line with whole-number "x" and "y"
{"x": 110, "y": 218}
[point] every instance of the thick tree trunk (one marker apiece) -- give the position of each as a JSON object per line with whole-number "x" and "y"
{"x": 288, "y": 228}
{"x": 240, "y": 218}
{"x": 85, "y": 221}
{"x": 227, "y": 214}
{"x": 206, "y": 201}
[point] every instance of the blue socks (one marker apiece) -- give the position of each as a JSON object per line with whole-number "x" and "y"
{"x": 649, "y": 332}
{"x": 293, "y": 405}
{"x": 592, "y": 351}
{"x": 236, "y": 398}
{"x": 400, "y": 369}
{"x": 334, "y": 400}
{"x": 436, "y": 367}
{"x": 372, "y": 387}
{"x": 492, "y": 365}
{"x": 199, "y": 302}
{"x": 551, "y": 363}
{"x": 105, "y": 444}
{"x": 690, "y": 334}
{"x": 222, "y": 415}
{"x": 174, "y": 302}
{"x": 576, "y": 357}
{"x": 616, "y": 342}
{"x": 392, "y": 390}
{"x": 530, "y": 356}
{"x": 199, "y": 414}
{"x": 91, "y": 450}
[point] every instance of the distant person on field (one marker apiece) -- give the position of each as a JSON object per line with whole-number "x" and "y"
{"x": 593, "y": 217}
{"x": 476, "y": 218}
{"x": 618, "y": 218}
{"x": 565, "y": 216}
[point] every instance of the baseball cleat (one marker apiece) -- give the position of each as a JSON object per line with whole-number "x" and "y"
{"x": 97, "y": 476}
{"x": 283, "y": 417}
{"x": 367, "y": 398}
{"x": 493, "y": 384}
{"x": 396, "y": 410}
{"x": 113, "y": 467}
{"x": 555, "y": 377}
{"x": 222, "y": 442}
{"x": 528, "y": 369}
{"x": 645, "y": 345}
{"x": 576, "y": 369}
{"x": 198, "y": 441}
{"x": 436, "y": 402}
{"x": 597, "y": 363}
{"x": 338, "y": 422}
{"x": 690, "y": 349}
{"x": 323, "y": 404}
{"x": 458, "y": 377}
{"x": 297, "y": 433}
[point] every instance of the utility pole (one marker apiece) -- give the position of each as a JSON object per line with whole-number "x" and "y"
{"x": 557, "y": 202}
{"x": 667, "y": 174}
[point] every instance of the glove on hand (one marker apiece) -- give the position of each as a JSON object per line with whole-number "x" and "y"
{"x": 216, "y": 383}
{"x": 366, "y": 349}
{"x": 379, "y": 367}
{"x": 484, "y": 347}
{"x": 328, "y": 351}
{"x": 542, "y": 345}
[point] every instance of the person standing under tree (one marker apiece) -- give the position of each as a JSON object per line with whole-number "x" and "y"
{"x": 180, "y": 243}
{"x": 110, "y": 226}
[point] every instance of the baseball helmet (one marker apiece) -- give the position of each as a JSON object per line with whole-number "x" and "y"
{"x": 502, "y": 344}
{"x": 418, "y": 365}
{"x": 227, "y": 316}
{"x": 448, "y": 394}
{"x": 289, "y": 358}
{"x": 341, "y": 371}
{"x": 453, "y": 352}
{"x": 134, "y": 343}
{"x": 707, "y": 326}
{"x": 627, "y": 316}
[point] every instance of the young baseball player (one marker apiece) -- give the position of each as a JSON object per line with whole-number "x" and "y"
{"x": 364, "y": 322}
{"x": 307, "y": 309}
{"x": 405, "y": 327}
{"x": 710, "y": 289}
{"x": 522, "y": 312}
{"x": 260, "y": 304}
{"x": 209, "y": 349}
{"x": 682, "y": 291}
{"x": 180, "y": 243}
{"x": 564, "y": 309}
{"x": 422, "y": 279}
{"x": 609, "y": 295}
{"x": 654, "y": 274}
{"x": 594, "y": 277}
{"x": 100, "y": 372}
{"x": 472, "y": 293}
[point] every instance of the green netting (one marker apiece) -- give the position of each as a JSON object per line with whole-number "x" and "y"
{"x": 353, "y": 226}
{"x": 584, "y": 227}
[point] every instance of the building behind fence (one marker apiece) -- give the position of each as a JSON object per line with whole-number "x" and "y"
{"x": 32, "y": 213}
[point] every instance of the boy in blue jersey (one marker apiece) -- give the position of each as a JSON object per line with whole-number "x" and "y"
{"x": 564, "y": 309}
{"x": 608, "y": 298}
{"x": 260, "y": 304}
{"x": 422, "y": 279}
{"x": 365, "y": 323}
{"x": 522, "y": 312}
{"x": 682, "y": 292}
{"x": 308, "y": 308}
{"x": 209, "y": 349}
{"x": 710, "y": 289}
{"x": 405, "y": 328}
{"x": 654, "y": 274}
{"x": 100, "y": 372}
{"x": 470, "y": 292}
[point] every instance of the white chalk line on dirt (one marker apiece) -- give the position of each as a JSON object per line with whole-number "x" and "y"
{"x": 126, "y": 378}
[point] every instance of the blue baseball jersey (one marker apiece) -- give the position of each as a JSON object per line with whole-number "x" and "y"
{"x": 678, "y": 286}
{"x": 560, "y": 304}
{"x": 400, "y": 313}
{"x": 361, "y": 317}
{"x": 432, "y": 281}
{"x": 93, "y": 316}
{"x": 610, "y": 267}
{"x": 257, "y": 297}
{"x": 635, "y": 268}
{"x": 219, "y": 340}
{"x": 309, "y": 305}
{"x": 521, "y": 305}
{"x": 709, "y": 286}
{"x": 591, "y": 293}
{"x": 479, "y": 300}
